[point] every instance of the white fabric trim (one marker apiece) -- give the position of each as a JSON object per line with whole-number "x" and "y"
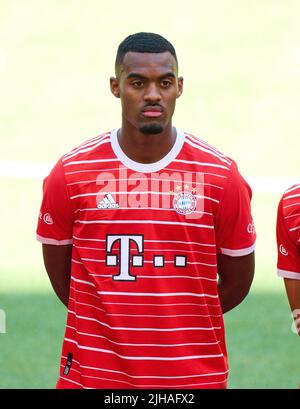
{"x": 147, "y": 167}
{"x": 238, "y": 253}
{"x": 293, "y": 188}
{"x": 288, "y": 274}
{"x": 46, "y": 240}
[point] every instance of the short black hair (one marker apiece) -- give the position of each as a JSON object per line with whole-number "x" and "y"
{"x": 143, "y": 43}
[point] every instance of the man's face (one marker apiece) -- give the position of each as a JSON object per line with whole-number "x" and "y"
{"x": 148, "y": 86}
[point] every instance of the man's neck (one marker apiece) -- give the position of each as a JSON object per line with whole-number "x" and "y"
{"x": 144, "y": 148}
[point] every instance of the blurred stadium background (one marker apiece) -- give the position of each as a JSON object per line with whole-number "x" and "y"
{"x": 241, "y": 64}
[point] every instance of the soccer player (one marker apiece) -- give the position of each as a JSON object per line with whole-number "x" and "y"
{"x": 147, "y": 239}
{"x": 288, "y": 242}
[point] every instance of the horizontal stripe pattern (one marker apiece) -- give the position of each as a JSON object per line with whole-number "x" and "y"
{"x": 143, "y": 358}
{"x": 163, "y": 328}
{"x": 149, "y": 376}
{"x": 135, "y": 344}
{"x": 88, "y": 147}
{"x": 174, "y": 329}
{"x": 128, "y": 294}
{"x": 139, "y": 222}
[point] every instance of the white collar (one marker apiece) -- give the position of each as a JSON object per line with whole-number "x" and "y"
{"x": 147, "y": 167}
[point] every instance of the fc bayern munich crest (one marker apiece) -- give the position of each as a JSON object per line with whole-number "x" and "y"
{"x": 184, "y": 202}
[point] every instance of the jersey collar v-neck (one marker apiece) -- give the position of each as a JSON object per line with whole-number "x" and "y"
{"x": 146, "y": 167}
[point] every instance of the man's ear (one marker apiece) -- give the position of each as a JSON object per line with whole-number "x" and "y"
{"x": 114, "y": 86}
{"x": 180, "y": 86}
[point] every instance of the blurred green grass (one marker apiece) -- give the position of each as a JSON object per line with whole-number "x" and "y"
{"x": 241, "y": 68}
{"x": 32, "y": 345}
{"x": 261, "y": 346}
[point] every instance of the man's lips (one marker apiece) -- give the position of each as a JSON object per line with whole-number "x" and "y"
{"x": 152, "y": 112}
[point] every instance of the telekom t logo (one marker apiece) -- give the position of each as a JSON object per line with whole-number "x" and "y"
{"x": 126, "y": 242}
{"x": 125, "y": 259}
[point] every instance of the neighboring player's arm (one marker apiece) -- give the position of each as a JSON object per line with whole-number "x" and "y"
{"x": 288, "y": 261}
{"x": 293, "y": 293}
{"x": 235, "y": 279}
{"x": 57, "y": 260}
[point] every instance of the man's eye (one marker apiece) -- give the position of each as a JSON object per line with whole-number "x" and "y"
{"x": 137, "y": 84}
{"x": 166, "y": 83}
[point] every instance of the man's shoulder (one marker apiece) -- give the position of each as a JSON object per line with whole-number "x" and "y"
{"x": 203, "y": 151}
{"x": 290, "y": 201}
{"x": 290, "y": 211}
{"x": 87, "y": 149}
{"x": 292, "y": 192}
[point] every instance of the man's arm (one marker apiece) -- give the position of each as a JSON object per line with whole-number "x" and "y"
{"x": 57, "y": 260}
{"x": 235, "y": 279}
{"x": 293, "y": 293}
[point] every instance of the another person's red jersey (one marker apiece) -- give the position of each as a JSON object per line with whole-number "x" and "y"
{"x": 144, "y": 310}
{"x": 288, "y": 234}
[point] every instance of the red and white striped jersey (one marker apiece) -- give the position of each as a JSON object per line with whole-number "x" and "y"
{"x": 288, "y": 234}
{"x": 144, "y": 310}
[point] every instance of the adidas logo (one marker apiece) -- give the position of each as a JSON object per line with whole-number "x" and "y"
{"x": 108, "y": 202}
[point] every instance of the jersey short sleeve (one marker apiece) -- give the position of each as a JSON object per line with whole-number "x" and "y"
{"x": 288, "y": 260}
{"x": 55, "y": 222}
{"x": 235, "y": 231}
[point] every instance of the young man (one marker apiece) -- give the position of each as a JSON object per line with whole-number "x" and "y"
{"x": 288, "y": 242}
{"x": 137, "y": 224}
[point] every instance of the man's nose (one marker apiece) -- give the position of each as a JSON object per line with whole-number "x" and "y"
{"x": 152, "y": 93}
